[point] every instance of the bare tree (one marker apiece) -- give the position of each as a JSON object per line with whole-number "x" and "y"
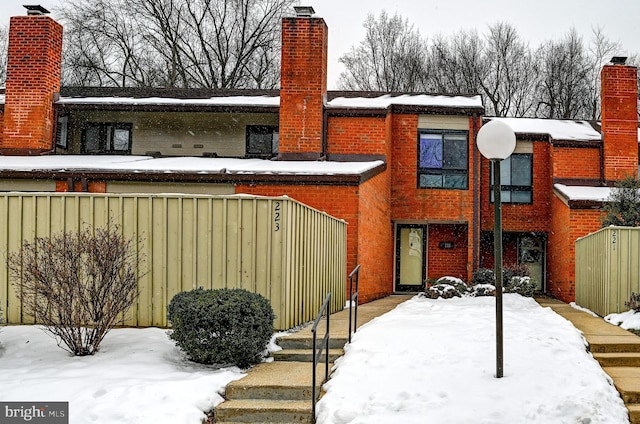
{"x": 601, "y": 50}
{"x": 564, "y": 85}
{"x": 173, "y": 43}
{"x": 4, "y": 46}
{"x": 507, "y": 76}
{"x": 77, "y": 284}
{"x": 390, "y": 58}
{"x": 454, "y": 63}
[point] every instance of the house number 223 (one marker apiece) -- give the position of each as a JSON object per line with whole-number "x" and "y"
{"x": 276, "y": 216}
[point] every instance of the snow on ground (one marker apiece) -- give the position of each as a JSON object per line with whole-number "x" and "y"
{"x": 628, "y": 320}
{"x": 138, "y": 376}
{"x": 427, "y": 361}
{"x": 433, "y": 361}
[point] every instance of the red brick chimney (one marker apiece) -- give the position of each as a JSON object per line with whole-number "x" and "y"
{"x": 303, "y": 82}
{"x": 619, "y": 120}
{"x": 33, "y": 76}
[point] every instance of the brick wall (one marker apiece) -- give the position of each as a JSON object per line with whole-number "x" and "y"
{"x": 33, "y": 76}
{"x": 375, "y": 238}
{"x": 447, "y": 262}
{"x": 567, "y": 226}
{"x": 522, "y": 217}
{"x": 303, "y": 82}
{"x": 357, "y": 135}
{"x": 409, "y": 203}
{"x": 619, "y": 121}
{"x": 566, "y": 165}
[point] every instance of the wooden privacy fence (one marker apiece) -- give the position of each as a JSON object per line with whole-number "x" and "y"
{"x": 608, "y": 269}
{"x": 290, "y": 253}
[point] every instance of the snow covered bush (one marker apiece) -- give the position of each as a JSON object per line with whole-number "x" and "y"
{"x": 222, "y": 326}
{"x": 521, "y": 285}
{"x": 446, "y": 288}
{"x": 634, "y": 302}
{"x": 479, "y": 290}
{"x": 77, "y": 284}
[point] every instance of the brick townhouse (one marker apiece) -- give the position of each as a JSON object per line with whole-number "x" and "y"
{"x": 402, "y": 169}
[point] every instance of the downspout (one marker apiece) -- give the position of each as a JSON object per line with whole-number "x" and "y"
{"x": 477, "y": 176}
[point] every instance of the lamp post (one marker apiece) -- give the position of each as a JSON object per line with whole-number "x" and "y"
{"x": 496, "y": 141}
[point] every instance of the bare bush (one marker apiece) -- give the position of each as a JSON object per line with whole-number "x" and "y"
{"x": 77, "y": 284}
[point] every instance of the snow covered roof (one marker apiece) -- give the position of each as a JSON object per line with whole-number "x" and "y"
{"x": 211, "y": 101}
{"x": 583, "y": 193}
{"x": 386, "y": 100}
{"x": 557, "y": 129}
{"x": 169, "y": 165}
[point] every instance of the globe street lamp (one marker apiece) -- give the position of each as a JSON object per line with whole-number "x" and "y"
{"x": 496, "y": 141}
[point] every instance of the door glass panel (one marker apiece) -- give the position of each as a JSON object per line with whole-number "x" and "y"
{"x": 531, "y": 254}
{"x": 411, "y": 256}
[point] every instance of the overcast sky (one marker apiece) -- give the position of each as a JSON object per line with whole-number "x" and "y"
{"x": 536, "y": 21}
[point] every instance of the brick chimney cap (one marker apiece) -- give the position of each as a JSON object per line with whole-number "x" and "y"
{"x": 35, "y": 9}
{"x": 619, "y": 60}
{"x": 304, "y": 11}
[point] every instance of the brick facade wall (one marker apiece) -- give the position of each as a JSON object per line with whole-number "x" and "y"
{"x": 33, "y": 76}
{"x": 619, "y": 121}
{"x": 522, "y": 217}
{"x": 360, "y": 135}
{"x": 410, "y": 203}
{"x": 565, "y": 164}
{"x": 447, "y": 262}
{"x": 567, "y": 225}
{"x": 303, "y": 81}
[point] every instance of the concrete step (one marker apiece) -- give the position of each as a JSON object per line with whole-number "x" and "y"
{"x": 304, "y": 355}
{"x": 277, "y": 381}
{"x": 627, "y": 382}
{"x": 306, "y": 342}
{"x": 634, "y": 413}
{"x": 618, "y": 359}
{"x": 617, "y": 343}
{"x": 263, "y": 411}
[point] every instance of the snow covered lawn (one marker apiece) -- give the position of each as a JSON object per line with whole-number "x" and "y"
{"x": 433, "y": 361}
{"x": 137, "y": 377}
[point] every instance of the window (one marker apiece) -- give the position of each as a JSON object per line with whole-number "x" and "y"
{"x": 62, "y": 131}
{"x": 262, "y": 140}
{"x": 443, "y": 159}
{"x": 515, "y": 179}
{"x": 108, "y": 138}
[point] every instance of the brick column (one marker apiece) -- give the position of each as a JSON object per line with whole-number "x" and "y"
{"x": 303, "y": 82}
{"x": 33, "y": 76}
{"x": 619, "y": 121}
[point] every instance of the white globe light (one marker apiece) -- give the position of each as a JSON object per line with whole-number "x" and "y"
{"x": 496, "y": 140}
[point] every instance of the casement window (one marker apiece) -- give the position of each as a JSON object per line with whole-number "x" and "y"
{"x": 443, "y": 159}
{"x": 106, "y": 138}
{"x": 515, "y": 179}
{"x": 262, "y": 140}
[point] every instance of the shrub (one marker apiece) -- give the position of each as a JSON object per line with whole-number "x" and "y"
{"x": 222, "y": 326}
{"x": 623, "y": 204}
{"x": 479, "y": 290}
{"x": 634, "y": 302}
{"x": 77, "y": 284}
{"x": 483, "y": 276}
{"x": 521, "y": 285}
{"x": 446, "y": 288}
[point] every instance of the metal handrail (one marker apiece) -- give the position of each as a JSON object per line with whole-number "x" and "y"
{"x": 353, "y": 299}
{"x": 318, "y": 353}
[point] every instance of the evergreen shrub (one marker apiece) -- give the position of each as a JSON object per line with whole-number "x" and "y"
{"x": 221, "y": 326}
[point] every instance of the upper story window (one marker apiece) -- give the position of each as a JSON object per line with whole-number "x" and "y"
{"x": 106, "y": 138}
{"x": 443, "y": 159}
{"x": 62, "y": 131}
{"x": 516, "y": 179}
{"x": 262, "y": 140}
